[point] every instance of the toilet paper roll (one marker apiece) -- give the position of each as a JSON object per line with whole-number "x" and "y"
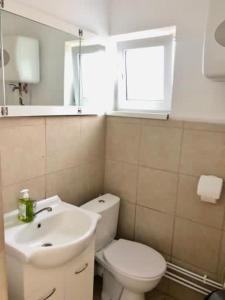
{"x": 210, "y": 188}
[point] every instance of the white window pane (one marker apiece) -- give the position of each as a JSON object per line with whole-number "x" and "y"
{"x": 89, "y": 63}
{"x": 93, "y": 75}
{"x": 145, "y": 73}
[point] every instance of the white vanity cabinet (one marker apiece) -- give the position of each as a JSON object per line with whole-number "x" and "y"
{"x": 79, "y": 280}
{"x": 42, "y": 284}
{"x": 54, "y": 293}
{"x": 72, "y": 281}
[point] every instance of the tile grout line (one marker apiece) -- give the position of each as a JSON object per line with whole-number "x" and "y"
{"x": 154, "y": 168}
{"x": 176, "y": 216}
{"x": 1, "y": 193}
{"x": 104, "y": 158}
{"x": 219, "y": 275}
{"x": 137, "y": 177}
{"x": 195, "y": 268}
{"x": 45, "y": 172}
{"x": 177, "y": 191}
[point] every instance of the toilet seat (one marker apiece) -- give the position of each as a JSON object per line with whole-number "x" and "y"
{"x": 135, "y": 260}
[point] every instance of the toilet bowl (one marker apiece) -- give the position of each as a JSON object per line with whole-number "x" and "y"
{"x": 129, "y": 269}
{"x": 136, "y": 268}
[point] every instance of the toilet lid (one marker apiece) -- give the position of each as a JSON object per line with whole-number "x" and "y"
{"x": 135, "y": 259}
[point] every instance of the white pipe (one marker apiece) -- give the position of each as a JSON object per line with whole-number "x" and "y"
{"x": 197, "y": 277}
{"x": 188, "y": 282}
{"x": 186, "y": 285}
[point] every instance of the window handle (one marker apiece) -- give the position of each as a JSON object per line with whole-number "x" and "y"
{"x": 82, "y": 270}
{"x": 51, "y": 294}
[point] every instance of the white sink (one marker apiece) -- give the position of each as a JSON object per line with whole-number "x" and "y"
{"x": 53, "y": 238}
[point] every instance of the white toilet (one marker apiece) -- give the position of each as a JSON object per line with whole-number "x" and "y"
{"x": 129, "y": 269}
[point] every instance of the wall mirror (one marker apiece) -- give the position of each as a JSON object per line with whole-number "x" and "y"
{"x": 40, "y": 68}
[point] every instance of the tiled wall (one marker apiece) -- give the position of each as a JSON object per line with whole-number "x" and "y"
{"x": 53, "y": 155}
{"x": 3, "y": 286}
{"x": 154, "y": 167}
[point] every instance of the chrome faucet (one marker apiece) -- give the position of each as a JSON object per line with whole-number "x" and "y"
{"x": 43, "y": 209}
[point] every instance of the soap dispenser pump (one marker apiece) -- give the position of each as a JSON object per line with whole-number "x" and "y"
{"x": 25, "y": 206}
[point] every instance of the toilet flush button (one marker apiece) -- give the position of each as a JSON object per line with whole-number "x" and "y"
{"x": 101, "y": 201}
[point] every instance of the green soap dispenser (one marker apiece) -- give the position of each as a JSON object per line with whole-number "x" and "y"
{"x": 25, "y": 206}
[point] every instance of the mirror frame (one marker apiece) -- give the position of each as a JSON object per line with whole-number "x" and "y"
{"x": 45, "y": 19}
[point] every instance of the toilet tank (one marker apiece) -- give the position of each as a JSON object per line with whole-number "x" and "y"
{"x": 108, "y": 207}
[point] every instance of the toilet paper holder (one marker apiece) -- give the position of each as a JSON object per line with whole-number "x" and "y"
{"x": 210, "y": 188}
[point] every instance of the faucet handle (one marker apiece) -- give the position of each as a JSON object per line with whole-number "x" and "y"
{"x": 34, "y": 204}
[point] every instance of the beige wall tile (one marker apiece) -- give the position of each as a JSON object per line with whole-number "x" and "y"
{"x": 2, "y": 242}
{"x": 94, "y": 176}
{"x": 68, "y": 157}
{"x": 61, "y": 130}
{"x": 121, "y": 180}
{"x": 154, "y": 229}
{"x": 190, "y": 206}
{"x": 129, "y": 120}
{"x": 196, "y": 244}
{"x": 63, "y": 143}
{"x": 66, "y": 184}
{"x": 162, "y": 123}
{"x": 21, "y": 122}
{"x": 204, "y": 126}
{"x": 76, "y": 185}
{"x": 194, "y": 269}
{"x": 3, "y": 281}
{"x": 203, "y": 153}
{"x": 10, "y": 194}
{"x": 160, "y": 147}
{"x": 92, "y": 138}
{"x": 221, "y": 268}
{"x": 122, "y": 141}
{"x": 22, "y": 153}
{"x": 126, "y": 220}
{"x": 157, "y": 189}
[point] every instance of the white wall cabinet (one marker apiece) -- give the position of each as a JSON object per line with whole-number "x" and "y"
{"x": 72, "y": 281}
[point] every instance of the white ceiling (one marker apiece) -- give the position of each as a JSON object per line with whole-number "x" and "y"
{"x": 89, "y": 14}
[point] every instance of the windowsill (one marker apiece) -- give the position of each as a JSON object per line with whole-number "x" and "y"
{"x": 144, "y": 115}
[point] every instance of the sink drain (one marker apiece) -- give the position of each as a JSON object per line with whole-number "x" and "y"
{"x": 47, "y": 245}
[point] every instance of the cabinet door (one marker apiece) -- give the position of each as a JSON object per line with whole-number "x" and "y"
{"x": 43, "y": 284}
{"x": 79, "y": 281}
{"x": 51, "y": 293}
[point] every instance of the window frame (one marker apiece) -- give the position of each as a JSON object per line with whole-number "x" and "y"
{"x": 155, "y": 106}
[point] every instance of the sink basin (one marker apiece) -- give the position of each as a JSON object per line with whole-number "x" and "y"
{"x": 53, "y": 238}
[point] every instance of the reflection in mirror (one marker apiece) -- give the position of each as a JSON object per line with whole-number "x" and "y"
{"x": 86, "y": 70}
{"x": 220, "y": 34}
{"x": 3, "y": 60}
{"x": 35, "y": 56}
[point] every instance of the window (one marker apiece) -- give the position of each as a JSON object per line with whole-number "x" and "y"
{"x": 145, "y": 74}
{"x": 85, "y": 76}
{"x": 93, "y": 75}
